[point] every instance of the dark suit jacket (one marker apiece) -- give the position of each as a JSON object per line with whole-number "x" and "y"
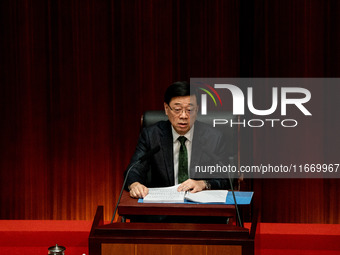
{"x": 158, "y": 171}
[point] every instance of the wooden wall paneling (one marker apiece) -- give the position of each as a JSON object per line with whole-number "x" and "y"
{"x": 119, "y": 248}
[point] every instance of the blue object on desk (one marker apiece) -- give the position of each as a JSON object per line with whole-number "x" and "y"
{"x": 242, "y": 198}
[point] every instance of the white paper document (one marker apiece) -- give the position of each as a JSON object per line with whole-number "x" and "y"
{"x": 164, "y": 195}
{"x": 208, "y": 196}
{"x": 171, "y": 195}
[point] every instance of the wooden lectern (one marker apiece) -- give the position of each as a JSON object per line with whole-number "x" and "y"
{"x": 170, "y": 238}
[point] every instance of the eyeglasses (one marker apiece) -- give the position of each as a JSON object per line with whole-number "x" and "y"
{"x": 179, "y": 110}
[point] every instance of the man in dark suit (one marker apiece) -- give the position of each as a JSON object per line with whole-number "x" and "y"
{"x": 180, "y": 135}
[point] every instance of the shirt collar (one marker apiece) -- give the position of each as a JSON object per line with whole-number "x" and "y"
{"x": 188, "y": 135}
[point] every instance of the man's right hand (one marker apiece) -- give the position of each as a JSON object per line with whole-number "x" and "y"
{"x": 138, "y": 190}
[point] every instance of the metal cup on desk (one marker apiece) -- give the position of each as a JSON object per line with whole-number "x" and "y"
{"x": 56, "y": 250}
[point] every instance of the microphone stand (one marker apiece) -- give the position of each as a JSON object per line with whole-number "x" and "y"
{"x": 214, "y": 157}
{"x": 121, "y": 191}
{"x": 141, "y": 159}
{"x": 236, "y": 206}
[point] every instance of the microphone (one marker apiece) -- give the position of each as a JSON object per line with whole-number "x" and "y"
{"x": 231, "y": 159}
{"x": 140, "y": 160}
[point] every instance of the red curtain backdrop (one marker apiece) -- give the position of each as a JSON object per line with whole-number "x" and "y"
{"x": 76, "y": 77}
{"x": 298, "y": 39}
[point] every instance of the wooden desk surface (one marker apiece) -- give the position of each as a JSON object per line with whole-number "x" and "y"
{"x": 130, "y": 206}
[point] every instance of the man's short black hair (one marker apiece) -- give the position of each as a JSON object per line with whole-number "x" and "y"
{"x": 177, "y": 89}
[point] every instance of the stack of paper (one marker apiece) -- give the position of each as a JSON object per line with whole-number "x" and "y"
{"x": 171, "y": 195}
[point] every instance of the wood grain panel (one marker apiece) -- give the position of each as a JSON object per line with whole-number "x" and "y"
{"x": 224, "y": 249}
{"x": 118, "y": 248}
{"x": 153, "y": 249}
{"x": 189, "y": 249}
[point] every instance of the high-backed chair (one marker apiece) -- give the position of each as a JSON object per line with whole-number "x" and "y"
{"x": 230, "y": 133}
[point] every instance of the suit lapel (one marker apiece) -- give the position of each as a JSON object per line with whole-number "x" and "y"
{"x": 197, "y": 145}
{"x": 200, "y": 135}
{"x": 167, "y": 148}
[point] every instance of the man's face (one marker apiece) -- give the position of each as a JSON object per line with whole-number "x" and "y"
{"x": 182, "y": 113}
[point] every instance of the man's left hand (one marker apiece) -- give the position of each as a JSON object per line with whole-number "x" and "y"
{"x": 192, "y": 186}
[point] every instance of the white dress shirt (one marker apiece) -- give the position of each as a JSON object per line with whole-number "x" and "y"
{"x": 176, "y": 147}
